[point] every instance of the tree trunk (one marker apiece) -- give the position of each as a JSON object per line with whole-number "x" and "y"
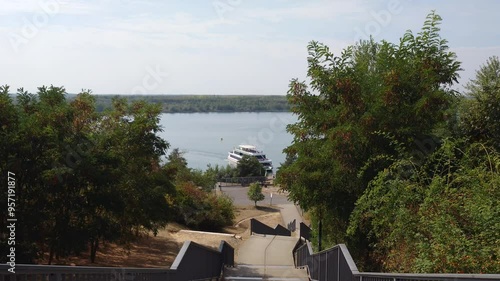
{"x": 51, "y": 253}
{"x": 94, "y": 245}
{"x": 320, "y": 229}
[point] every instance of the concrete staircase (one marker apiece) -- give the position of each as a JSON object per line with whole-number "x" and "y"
{"x": 266, "y": 258}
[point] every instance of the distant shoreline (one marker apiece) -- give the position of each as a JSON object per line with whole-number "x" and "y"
{"x": 200, "y": 103}
{"x": 203, "y": 103}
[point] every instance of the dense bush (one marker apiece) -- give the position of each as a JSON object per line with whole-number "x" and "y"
{"x": 444, "y": 221}
{"x": 196, "y": 204}
{"x": 201, "y": 210}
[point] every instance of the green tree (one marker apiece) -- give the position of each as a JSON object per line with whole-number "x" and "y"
{"x": 480, "y": 118}
{"x": 367, "y": 99}
{"x": 177, "y": 165}
{"x": 83, "y": 177}
{"x": 255, "y": 193}
{"x": 132, "y": 138}
{"x": 444, "y": 217}
{"x": 249, "y": 167}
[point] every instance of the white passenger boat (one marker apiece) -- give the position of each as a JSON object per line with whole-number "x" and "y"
{"x": 238, "y": 152}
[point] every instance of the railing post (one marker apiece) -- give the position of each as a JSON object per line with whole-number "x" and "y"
{"x": 338, "y": 264}
{"x": 326, "y": 270}
{"x": 319, "y": 267}
{"x": 55, "y": 277}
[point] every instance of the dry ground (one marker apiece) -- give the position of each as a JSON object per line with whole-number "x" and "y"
{"x": 160, "y": 251}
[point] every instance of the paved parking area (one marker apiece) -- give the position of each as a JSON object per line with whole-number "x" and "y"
{"x": 240, "y": 198}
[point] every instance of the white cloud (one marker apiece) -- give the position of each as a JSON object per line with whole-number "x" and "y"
{"x": 318, "y": 10}
{"x": 245, "y": 53}
{"x": 31, "y": 7}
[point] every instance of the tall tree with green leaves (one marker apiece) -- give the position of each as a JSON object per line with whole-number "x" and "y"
{"x": 82, "y": 177}
{"x": 361, "y": 103}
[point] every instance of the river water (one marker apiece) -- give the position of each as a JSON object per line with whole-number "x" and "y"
{"x": 206, "y": 138}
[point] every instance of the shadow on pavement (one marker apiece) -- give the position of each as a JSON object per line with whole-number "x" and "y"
{"x": 268, "y": 209}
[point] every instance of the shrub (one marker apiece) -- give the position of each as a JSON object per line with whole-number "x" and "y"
{"x": 201, "y": 210}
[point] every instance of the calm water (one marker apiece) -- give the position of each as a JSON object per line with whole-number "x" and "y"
{"x": 206, "y": 138}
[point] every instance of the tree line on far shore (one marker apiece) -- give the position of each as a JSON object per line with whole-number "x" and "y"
{"x": 203, "y": 103}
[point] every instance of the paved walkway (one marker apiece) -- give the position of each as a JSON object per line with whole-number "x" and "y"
{"x": 266, "y": 257}
{"x": 268, "y": 250}
{"x": 269, "y": 257}
{"x": 239, "y": 195}
{"x": 289, "y": 212}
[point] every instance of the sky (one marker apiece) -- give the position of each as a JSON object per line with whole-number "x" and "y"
{"x": 213, "y": 47}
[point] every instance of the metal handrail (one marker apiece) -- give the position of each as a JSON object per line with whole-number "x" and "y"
{"x": 429, "y": 276}
{"x": 352, "y": 270}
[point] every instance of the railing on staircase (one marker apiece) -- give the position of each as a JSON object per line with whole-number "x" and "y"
{"x": 193, "y": 262}
{"x": 305, "y": 231}
{"x": 336, "y": 264}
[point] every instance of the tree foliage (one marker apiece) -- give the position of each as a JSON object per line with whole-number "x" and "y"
{"x": 481, "y": 109}
{"x": 196, "y": 204}
{"x": 249, "y": 167}
{"x": 85, "y": 177}
{"x": 444, "y": 217}
{"x": 255, "y": 193}
{"x": 372, "y": 95}
{"x": 375, "y": 156}
{"x": 201, "y": 210}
